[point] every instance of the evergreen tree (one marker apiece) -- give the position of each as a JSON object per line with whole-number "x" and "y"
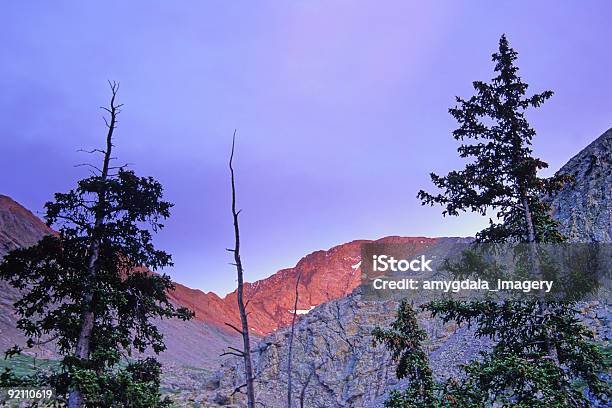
{"x": 503, "y": 174}
{"x": 519, "y": 371}
{"x": 543, "y": 355}
{"x": 89, "y": 289}
{"x": 405, "y": 339}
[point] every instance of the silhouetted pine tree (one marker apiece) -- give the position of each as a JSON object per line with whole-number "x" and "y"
{"x": 502, "y": 175}
{"x": 544, "y": 356}
{"x": 86, "y": 289}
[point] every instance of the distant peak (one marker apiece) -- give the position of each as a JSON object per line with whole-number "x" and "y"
{"x": 18, "y": 226}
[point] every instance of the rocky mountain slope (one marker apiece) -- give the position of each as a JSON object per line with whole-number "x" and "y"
{"x": 195, "y": 343}
{"x": 324, "y": 276}
{"x": 584, "y": 207}
{"x": 18, "y": 228}
{"x": 335, "y": 363}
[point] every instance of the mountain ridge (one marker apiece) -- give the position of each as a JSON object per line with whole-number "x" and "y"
{"x": 325, "y": 275}
{"x": 334, "y": 360}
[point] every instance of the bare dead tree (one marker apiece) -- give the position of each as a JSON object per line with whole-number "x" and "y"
{"x": 245, "y": 353}
{"x": 304, "y": 386}
{"x": 83, "y": 346}
{"x": 290, "y": 356}
{"x": 311, "y": 355}
{"x": 313, "y": 369}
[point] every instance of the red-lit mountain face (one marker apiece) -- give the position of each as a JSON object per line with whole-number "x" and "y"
{"x": 18, "y": 226}
{"x": 324, "y": 275}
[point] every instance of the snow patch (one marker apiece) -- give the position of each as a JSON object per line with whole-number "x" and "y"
{"x": 301, "y": 311}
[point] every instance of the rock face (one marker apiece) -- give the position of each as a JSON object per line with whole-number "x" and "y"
{"x": 324, "y": 275}
{"x": 335, "y": 364}
{"x": 18, "y": 226}
{"x": 584, "y": 207}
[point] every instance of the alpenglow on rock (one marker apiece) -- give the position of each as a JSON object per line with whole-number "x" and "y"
{"x": 335, "y": 364}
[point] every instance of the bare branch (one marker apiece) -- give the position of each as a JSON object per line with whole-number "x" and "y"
{"x": 237, "y": 389}
{"x": 292, "y": 335}
{"x": 231, "y": 353}
{"x": 88, "y": 165}
{"x": 235, "y": 349}
{"x": 233, "y": 327}
{"x": 120, "y": 167}
{"x": 91, "y": 151}
{"x": 248, "y": 364}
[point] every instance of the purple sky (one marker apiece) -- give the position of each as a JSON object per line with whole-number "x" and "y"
{"x": 341, "y": 110}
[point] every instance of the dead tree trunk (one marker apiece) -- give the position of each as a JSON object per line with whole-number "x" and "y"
{"x": 304, "y": 386}
{"x": 246, "y": 352}
{"x": 290, "y": 356}
{"x": 88, "y": 318}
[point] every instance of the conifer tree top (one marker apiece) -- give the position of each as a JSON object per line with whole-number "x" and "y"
{"x": 501, "y": 174}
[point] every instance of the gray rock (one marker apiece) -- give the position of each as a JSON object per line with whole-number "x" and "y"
{"x": 335, "y": 363}
{"x": 584, "y": 207}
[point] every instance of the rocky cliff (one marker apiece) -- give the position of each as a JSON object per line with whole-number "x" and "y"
{"x": 335, "y": 364}
{"x": 584, "y": 207}
{"x": 324, "y": 275}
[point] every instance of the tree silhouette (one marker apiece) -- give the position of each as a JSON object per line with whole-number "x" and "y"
{"x": 245, "y": 353}
{"x": 502, "y": 175}
{"x": 543, "y": 354}
{"x": 89, "y": 288}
